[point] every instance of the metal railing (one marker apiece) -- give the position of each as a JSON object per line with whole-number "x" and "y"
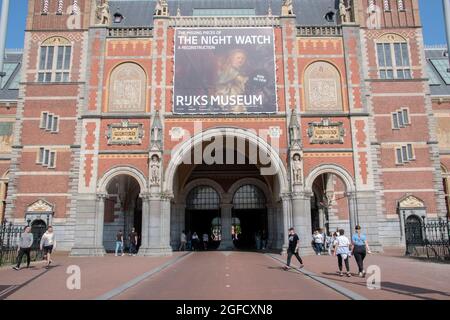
{"x": 428, "y": 239}
{"x": 9, "y": 240}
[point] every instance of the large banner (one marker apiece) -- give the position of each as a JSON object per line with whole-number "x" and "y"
{"x": 220, "y": 70}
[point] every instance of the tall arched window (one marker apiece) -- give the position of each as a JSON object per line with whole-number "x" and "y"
{"x": 55, "y": 58}
{"x": 249, "y": 197}
{"x": 203, "y": 198}
{"x": 323, "y": 87}
{"x": 393, "y": 57}
{"x": 127, "y": 86}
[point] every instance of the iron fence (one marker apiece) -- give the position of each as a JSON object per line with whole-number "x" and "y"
{"x": 9, "y": 240}
{"x": 428, "y": 239}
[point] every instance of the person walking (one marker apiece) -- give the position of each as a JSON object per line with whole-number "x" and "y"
{"x": 24, "y": 248}
{"x": 205, "y": 241}
{"x": 48, "y": 244}
{"x": 133, "y": 237}
{"x": 264, "y": 239}
{"x": 330, "y": 242}
{"x": 342, "y": 251}
{"x": 318, "y": 241}
{"x": 195, "y": 241}
{"x": 294, "y": 246}
{"x": 119, "y": 243}
{"x": 360, "y": 248}
{"x": 182, "y": 241}
{"x": 189, "y": 241}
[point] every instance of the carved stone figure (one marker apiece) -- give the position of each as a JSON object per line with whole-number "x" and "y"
{"x": 343, "y": 11}
{"x": 287, "y": 8}
{"x": 154, "y": 170}
{"x": 297, "y": 169}
{"x": 102, "y": 13}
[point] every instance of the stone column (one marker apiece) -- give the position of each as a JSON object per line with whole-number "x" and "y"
{"x": 177, "y": 224}
{"x": 352, "y": 211}
{"x": 321, "y": 218}
{"x": 166, "y": 249}
{"x": 226, "y": 242}
{"x": 100, "y": 220}
{"x": 286, "y": 199}
{"x": 301, "y": 207}
{"x": 145, "y": 223}
{"x": 271, "y": 227}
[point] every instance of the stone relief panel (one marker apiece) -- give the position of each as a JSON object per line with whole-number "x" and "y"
{"x": 6, "y": 136}
{"x": 127, "y": 89}
{"x": 443, "y": 133}
{"x": 323, "y": 87}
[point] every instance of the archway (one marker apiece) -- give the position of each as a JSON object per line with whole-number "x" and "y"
{"x": 203, "y": 215}
{"x": 38, "y": 228}
{"x": 122, "y": 210}
{"x": 249, "y": 219}
{"x": 226, "y": 177}
{"x": 331, "y": 203}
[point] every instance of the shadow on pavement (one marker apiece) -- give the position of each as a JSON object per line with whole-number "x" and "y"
{"x": 13, "y": 289}
{"x": 393, "y": 287}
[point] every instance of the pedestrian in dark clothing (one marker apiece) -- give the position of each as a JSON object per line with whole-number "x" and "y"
{"x": 294, "y": 245}
{"x": 133, "y": 242}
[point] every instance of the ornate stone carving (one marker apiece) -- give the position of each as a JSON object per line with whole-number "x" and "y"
{"x": 102, "y": 13}
{"x": 155, "y": 169}
{"x": 125, "y": 133}
{"x": 161, "y": 8}
{"x": 287, "y": 8}
{"x": 411, "y": 202}
{"x": 176, "y": 133}
{"x": 274, "y": 132}
{"x": 297, "y": 169}
{"x": 40, "y": 206}
{"x": 326, "y": 132}
{"x": 156, "y": 133}
{"x": 127, "y": 89}
{"x": 344, "y": 11}
{"x": 323, "y": 87}
{"x": 295, "y": 135}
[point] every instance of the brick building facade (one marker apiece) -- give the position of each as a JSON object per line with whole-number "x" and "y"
{"x": 98, "y": 146}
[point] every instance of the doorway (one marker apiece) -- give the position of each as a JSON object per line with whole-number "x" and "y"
{"x": 249, "y": 219}
{"x": 203, "y": 217}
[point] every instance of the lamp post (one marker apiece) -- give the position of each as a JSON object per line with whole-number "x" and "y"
{"x": 446, "y": 6}
{"x": 3, "y": 31}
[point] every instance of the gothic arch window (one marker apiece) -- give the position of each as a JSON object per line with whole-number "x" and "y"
{"x": 393, "y": 57}
{"x": 323, "y": 90}
{"x": 127, "y": 86}
{"x": 446, "y": 183}
{"x": 55, "y": 59}
{"x": 249, "y": 197}
{"x": 203, "y": 198}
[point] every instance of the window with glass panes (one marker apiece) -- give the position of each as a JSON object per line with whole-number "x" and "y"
{"x": 404, "y": 154}
{"x": 54, "y": 62}
{"x": 400, "y": 118}
{"x": 46, "y": 158}
{"x": 393, "y": 59}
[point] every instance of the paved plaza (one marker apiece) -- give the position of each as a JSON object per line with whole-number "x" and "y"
{"x": 225, "y": 275}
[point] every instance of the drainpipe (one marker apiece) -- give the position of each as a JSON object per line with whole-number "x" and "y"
{"x": 3, "y": 29}
{"x": 446, "y": 5}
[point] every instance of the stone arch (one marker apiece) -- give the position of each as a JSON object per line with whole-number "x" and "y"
{"x": 114, "y": 172}
{"x": 391, "y": 37}
{"x": 343, "y": 174}
{"x": 323, "y": 87}
{"x": 252, "y": 181}
{"x": 186, "y": 147}
{"x": 127, "y": 88}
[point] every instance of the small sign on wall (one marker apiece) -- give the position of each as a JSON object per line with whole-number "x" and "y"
{"x": 125, "y": 133}
{"x": 326, "y": 132}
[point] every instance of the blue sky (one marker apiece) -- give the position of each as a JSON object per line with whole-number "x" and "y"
{"x": 431, "y": 12}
